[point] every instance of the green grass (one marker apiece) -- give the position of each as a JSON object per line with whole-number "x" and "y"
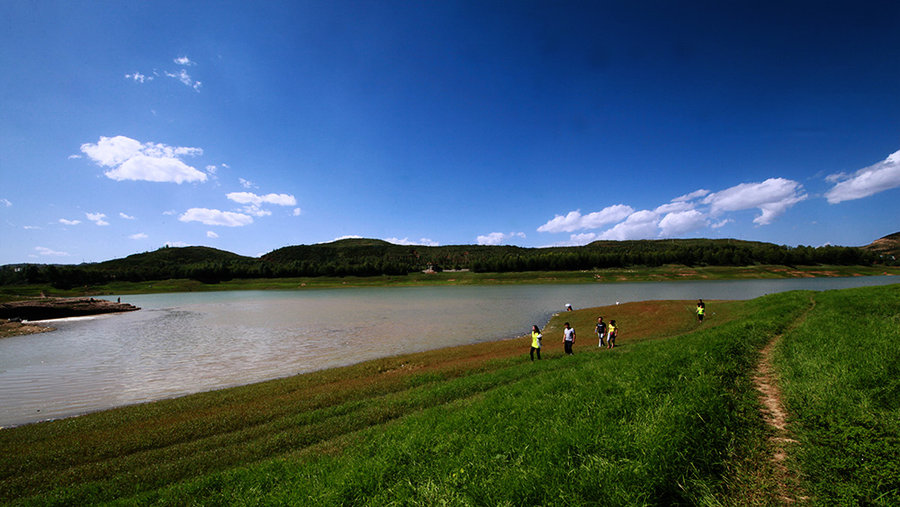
{"x": 841, "y": 379}
{"x": 668, "y": 417}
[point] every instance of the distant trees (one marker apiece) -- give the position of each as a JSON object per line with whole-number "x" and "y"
{"x": 373, "y": 258}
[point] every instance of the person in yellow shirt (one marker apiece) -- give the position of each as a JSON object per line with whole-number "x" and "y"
{"x": 535, "y": 342}
{"x": 612, "y": 330}
{"x": 701, "y": 310}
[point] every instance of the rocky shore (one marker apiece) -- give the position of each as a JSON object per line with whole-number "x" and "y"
{"x": 58, "y": 308}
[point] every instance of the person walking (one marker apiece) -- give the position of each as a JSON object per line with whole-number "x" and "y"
{"x": 701, "y": 310}
{"x": 611, "y": 334}
{"x": 535, "y": 342}
{"x": 601, "y": 331}
{"x": 568, "y": 338}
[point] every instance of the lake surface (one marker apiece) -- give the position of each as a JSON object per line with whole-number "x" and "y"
{"x": 192, "y": 342}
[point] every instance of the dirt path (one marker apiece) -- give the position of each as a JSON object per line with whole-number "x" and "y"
{"x": 789, "y": 490}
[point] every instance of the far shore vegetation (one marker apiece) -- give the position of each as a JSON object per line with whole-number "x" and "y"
{"x": 671, "y": 416}
{"x": 362, "y": 262}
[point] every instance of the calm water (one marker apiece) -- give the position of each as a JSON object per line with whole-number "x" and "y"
{"x": 185, "y": 343}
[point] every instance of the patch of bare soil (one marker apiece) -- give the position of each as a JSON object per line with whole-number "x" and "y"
{"x": 12, "y": 328}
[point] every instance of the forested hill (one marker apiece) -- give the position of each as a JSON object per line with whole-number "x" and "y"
{"x": 369, "y": 257}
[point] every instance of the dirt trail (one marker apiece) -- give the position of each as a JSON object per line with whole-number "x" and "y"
{"x": 789, "y": 490}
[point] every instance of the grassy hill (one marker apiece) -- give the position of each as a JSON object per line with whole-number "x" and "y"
{"x": 668, "y": 417}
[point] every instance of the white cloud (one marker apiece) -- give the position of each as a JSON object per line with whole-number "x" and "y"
{"x": 97, "y": 218}
{"x": 691, "y": 196}
{"x": 184, "y": 60}
{"x": 139, "y": 235}
{"x": 216, "y": 217}
{"x": 69, "y": 222}
{"x": 49, "y": 252}
{"x": 5, "y": 202}
{"x": 639, "y": 225}
{"x": 408, "y": 242}
{"x": 176, "y": 244}
{"x": 246, "y": 183}
{"x": 126, "y": 217}
{"x": 721, "y": 224}
{"x": 31, "y": 227}
{"x": 132, "y": 160}
{"x": 138, "y": 77}
{"x": 211, "y": 234}
{"x": 496, "y": 238}
{"x": 185, "y": 79}
{"x": 680, "y": 222}
{"x": 574, "y": 220}
{"x": 251, "y": 198}
{"x": 211, "y": 169}
{"x": 349, "y": 236}
{"x": 772, "y": 197}
{"x": 871, "y": 180}
{"x": 74, "y": 156}
{"x": 296, "y": 212}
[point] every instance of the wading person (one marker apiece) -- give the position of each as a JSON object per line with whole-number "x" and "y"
{"x": 701, "y": 309}
{"x": 612, "y": 332}
{"x": 568, "y": 338}
{"x": 535, "y": 342}
{"x": 601, "y": 331}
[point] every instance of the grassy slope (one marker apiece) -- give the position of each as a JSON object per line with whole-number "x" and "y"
{"x": 841, "y": 377}
{"x": 652, "y": 422}
{"x": 404, "y": 426}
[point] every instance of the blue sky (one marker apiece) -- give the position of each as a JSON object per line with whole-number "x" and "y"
{"x": 248, "y": 126}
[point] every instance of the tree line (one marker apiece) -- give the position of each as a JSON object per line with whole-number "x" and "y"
{"x": 375, "y": 258}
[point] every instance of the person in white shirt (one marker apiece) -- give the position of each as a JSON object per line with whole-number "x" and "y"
{"x": 568, "y": 338}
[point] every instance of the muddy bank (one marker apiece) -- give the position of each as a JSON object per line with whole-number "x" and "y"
{"x": 59, "y": 308}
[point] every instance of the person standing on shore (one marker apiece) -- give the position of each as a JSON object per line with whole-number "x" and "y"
{"x": 612, "y": 332}
{"x": 568, "y": 338}
{"x": 535, "y": 342}
{"x": 601, "y": 331}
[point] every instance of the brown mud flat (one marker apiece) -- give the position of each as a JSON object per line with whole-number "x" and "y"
{"x": 60, "y": 308}
{"x": 12, "y": 328}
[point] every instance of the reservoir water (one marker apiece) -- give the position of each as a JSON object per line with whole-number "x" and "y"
{"x": 192, "y": 342}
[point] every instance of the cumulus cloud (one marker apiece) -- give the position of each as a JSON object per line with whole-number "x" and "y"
{"x": 97, "y": 218}
{"x": 47, "y": 252}
{"x": 574, "y": 220}
{"x": 183, "y": 60}
{"x": 216, "y": 217}
{"x": 681, "y": 222}
{"x": 296, "y": 212}
{"x": 132, "y": 160}
{"x": 639, "y": 225}
{"x": 871, "y": 180}
{"x": 246, "y": 183}
{"x": 408, "y": 242}
{"x": 254, "y": 202}
{"x": 772, "y": 197}
{"x": 251, "y": 198}
{"x": 691, "y": 196}
{"x": 496, "y": 238}
{"x": 69, "y": 222}
{"x": 139, "y": 235}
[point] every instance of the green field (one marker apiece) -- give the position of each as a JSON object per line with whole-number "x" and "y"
{"x": 668, "y": 417}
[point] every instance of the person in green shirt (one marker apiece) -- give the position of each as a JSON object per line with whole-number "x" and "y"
{"x": 701, "y": 310}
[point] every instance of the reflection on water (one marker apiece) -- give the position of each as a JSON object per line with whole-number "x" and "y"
{"x": 185, "y": 343}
